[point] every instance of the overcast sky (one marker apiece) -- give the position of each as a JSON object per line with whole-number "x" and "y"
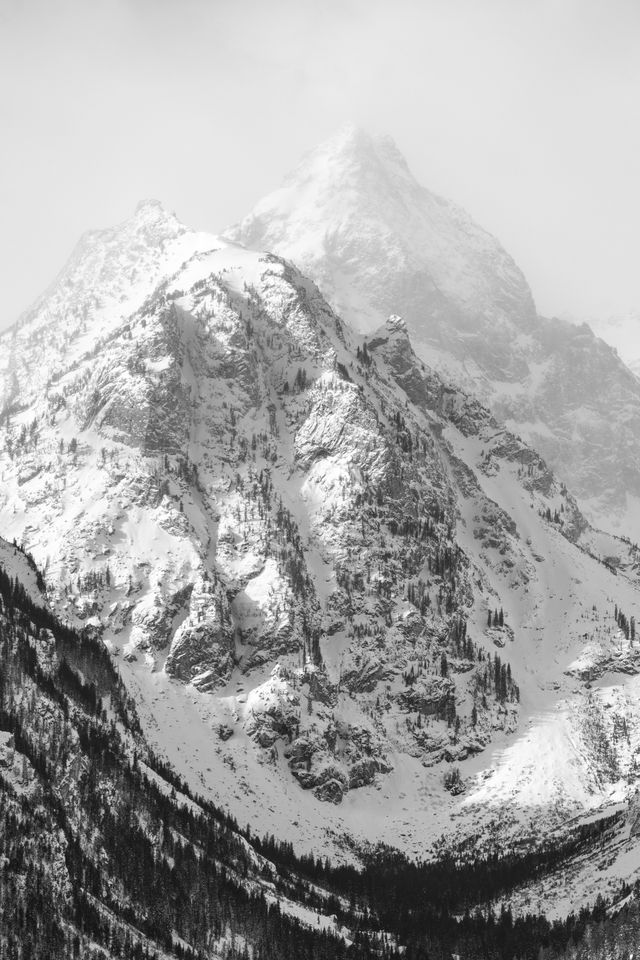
{"x": 524, "y": 111}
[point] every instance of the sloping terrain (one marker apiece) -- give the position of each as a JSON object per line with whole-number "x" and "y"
{"x": 292, "y": 539}
{"x": 353, "y": 218}
{"x": 105, "y": 852}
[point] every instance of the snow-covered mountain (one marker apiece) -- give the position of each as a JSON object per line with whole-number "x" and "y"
{"x": 353, "y": 217}
{"x": 107, "y": 853}
{"x": 291, "y": 536}
{"x": 102, "y": 843}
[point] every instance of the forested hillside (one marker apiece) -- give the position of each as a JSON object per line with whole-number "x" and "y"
{"x": 104, "y": 852}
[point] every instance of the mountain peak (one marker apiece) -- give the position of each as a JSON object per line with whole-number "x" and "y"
{"x": 108, "y": 269}
{"x": 348, "y": 133}
{"x": 393, "y": 330}
{"x": 396, "y": 325}
{"x": 349, "y": 137}
{"x": 353, "y": 216}
{"x": 352, "y": 155}
{"x": 149, "y": 207}
{"x": 150, "y": 222}
{"x": 352, "y": 138}
{"x": 152, "y": 213}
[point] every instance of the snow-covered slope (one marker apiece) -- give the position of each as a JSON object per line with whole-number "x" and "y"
{"x": 291, "y": 536}
{"x": 102, "y": 843}
{"x": 107, "y": 853}
{"x": 353, "y": 217}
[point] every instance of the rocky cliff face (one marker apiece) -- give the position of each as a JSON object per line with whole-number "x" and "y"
{"x": 229, "y": 496}
{"x": 108, "y": 852}
{"x": 354, "y": 218}
{"x": 290, "y": 536}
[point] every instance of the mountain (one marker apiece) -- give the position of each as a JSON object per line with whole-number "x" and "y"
{"x": 107, "y": 853}
{"x": 290, "y": 538}
{"x": 353, "y": 217}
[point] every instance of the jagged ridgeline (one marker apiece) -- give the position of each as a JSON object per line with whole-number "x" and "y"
{"x": 290, "y": 538}
{"x": 104, "y": 851}
{"x": 267, "y": 506}
{"x": 353, "y": 217}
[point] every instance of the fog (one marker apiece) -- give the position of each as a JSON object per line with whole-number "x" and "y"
{"x": 525, "y": 113}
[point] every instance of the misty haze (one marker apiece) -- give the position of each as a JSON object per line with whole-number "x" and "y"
{"x": 320, "y": 480}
